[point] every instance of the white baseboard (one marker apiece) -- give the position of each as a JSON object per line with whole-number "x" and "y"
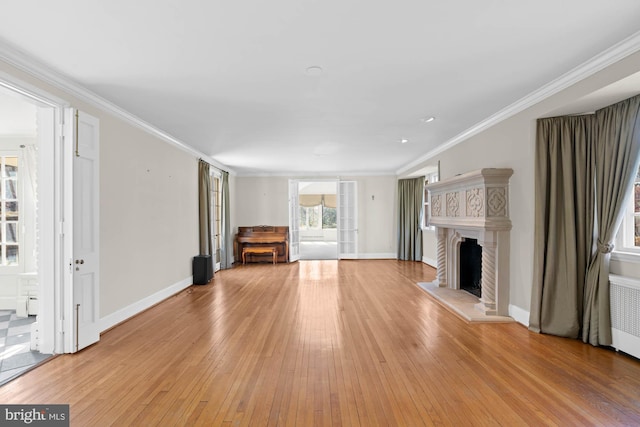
{"x": 623, "y": 341}
{"x": 429, "y": 261}
{"x": 381, "y": 255}
{"x": 519, "y": 315}
{"x": 125, "y": 313}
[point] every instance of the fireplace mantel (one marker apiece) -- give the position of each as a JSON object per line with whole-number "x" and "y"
{"x": 478, "y": 199}
{"x": 474, "y": 205}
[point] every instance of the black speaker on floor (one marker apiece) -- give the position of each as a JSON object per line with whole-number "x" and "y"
{"x": 202, "y": 269}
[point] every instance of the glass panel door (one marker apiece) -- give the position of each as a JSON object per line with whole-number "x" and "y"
{"x": 347, "y": 220}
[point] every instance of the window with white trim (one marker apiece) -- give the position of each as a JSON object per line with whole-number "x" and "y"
{"x": 429, "y": 179}
{"x": 628, "y": 239}
{"x": 9, "y": 211}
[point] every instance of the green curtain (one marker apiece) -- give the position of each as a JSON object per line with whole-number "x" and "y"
{"x": 585, "y": 166}
{"x": 563, "y": 223}
{"x": 226, "y": 247}
{"x": 204, "y": 204}
{"x": 410, "y": 205}
{"x": 616, "y": 166}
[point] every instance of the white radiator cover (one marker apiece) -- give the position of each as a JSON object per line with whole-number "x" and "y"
{"x": 27, "y": 295}
{"x": 625, "y": 314}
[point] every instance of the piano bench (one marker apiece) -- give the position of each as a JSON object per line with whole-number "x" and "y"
{"x": 259, "y": 250}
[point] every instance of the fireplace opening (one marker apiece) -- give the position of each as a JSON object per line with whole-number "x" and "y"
{"x": 471, "y": 267}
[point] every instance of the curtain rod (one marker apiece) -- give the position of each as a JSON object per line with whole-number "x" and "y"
{"x": 213, "y": 166}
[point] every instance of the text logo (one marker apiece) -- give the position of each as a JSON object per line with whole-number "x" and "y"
{"x": 34, "y": 415}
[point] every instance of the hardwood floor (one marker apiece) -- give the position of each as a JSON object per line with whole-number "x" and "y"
{"x": 330, "y": 343}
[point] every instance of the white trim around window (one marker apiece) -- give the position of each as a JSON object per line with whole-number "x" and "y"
{"x": 626, "y": 243}
{"x": 429, "y": 179}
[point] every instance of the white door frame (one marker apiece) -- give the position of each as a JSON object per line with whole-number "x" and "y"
{"x": 51, "y": 211}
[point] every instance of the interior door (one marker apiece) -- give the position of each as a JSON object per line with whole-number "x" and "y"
{"x": 294, "y": 221}
{"x": 347, "y": 220}
{"x": 85, "y": 290}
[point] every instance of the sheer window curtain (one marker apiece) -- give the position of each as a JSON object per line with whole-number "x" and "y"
{"x": 584, "y": 169}
{"x": 410, "y": 205}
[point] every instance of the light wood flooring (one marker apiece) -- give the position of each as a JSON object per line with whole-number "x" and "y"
{"x": 330, "y": 343}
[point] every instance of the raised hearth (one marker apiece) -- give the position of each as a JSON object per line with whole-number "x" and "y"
{"x": 474, "y": 205}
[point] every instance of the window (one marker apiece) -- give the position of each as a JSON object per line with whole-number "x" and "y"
{"x": 629, "y": 233}
{"x": 216, "y": 200}
{"x": 317, "y": 217}
{"x": 310, "y": 217}
{"x": 429, "y": 179}
{"x": 9, "y": 211}
{"x": 329, "y": 217}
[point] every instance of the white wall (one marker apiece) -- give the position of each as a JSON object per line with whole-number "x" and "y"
{"x": 233, "y": 220}
{"x": 429, "y": 245}
{"x": 627, "y": 266}
{"x": 510, "y": 144}
{"x": 265, "y": 201}
{"x": 377, "y": 213}
{"x": 149, "y": 214}
{"x": 261, "y": 201}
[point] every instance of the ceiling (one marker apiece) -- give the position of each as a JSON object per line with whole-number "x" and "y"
{"x": 233, "y": 79}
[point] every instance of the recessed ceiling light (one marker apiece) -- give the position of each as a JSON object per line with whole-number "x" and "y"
{"x": 427, "y": 119}
{"x": 404, "y": 141}
{"x": 314, "y": 71}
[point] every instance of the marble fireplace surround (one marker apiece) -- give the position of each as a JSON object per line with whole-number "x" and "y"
{"x": 474, "y": 205}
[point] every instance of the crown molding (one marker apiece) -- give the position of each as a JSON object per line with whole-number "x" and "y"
{"x": 42, "y": 72}
{"x": 312, "y": 175}
{"x": 597, "y": 63}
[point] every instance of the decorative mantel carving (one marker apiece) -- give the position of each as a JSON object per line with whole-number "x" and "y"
{"x": 474, "y": 205}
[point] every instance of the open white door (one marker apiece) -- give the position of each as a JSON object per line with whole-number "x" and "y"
{"x": 347, "y": 220}
{"x": 84, "y": 290}
{"x": 294, "y": 221}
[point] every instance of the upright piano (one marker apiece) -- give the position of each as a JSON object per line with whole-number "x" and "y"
{"x": 263, "y": 235}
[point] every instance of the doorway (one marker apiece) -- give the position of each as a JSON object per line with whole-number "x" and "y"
{"x": 25, "y": 127}
{"x": 346, "y": 210}
{"x": 318, "y": 220}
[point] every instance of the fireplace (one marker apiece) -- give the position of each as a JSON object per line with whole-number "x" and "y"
{"x": 470, "y": 267}
{"x": 474, "y": 206}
